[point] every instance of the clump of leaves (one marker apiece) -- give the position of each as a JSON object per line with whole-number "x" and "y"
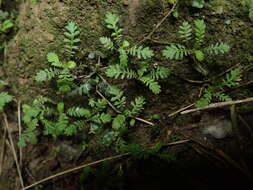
{"x": 198, "y": 3}
{"x": 217, "y": 91}
{"x": 5, "y": 98}
{"x": 62, "y": 70}
{"x": 54, "y": 117}
{"x": 128, "y": 64}
{"x": 196, "y": 49}
{"x": 249, "y": 5}
{"x": 6, "y": 22}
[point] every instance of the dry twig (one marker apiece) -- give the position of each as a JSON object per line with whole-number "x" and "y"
{"x": 218, "y": 105}
{"x": 19, "y": 132}
{"x": 12, "y": 147}
{"x": 75, "y": 169}
{"x": 2, "y": 151}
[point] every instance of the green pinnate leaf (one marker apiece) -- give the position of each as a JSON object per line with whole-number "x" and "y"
{"x": 175, "y": 52}
{"x": 200, "y": 56}
{"x": 200, "y": 29}
{"x": 152, "y": 84}
{"x": 185, "y": 31}
{"x": 5, "y": 98}
{"x": 107, "y": 43}
{"x": 105, "y": 118}
{"x": 119, "y": 122}
{"x": 141, "y": 52}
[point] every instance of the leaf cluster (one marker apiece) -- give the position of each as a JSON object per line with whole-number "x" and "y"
{"x": 198, "y": 51}
{"x": 142, "y": 71}
{"x": 230, "y": 80}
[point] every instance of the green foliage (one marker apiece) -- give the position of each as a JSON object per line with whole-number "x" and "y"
{"x": 107, "y": 43}
{"x": 142, "y": 71}
{"x": 6, "y": 26}
{"x": 230, "y": 80}
{"x": 58, "y": 70}
{"x": 196, "y": 49}
{"x": 137, "y": 107}
{"x": 117, "y": 71}
{"x": 218, "y": 48}
{"x": 175, "y": 52}
{"x": 119, "y": 122}
{"x": 151, "y": 83}
{"x": 185, "y": 31}
{"x": 56, "y": 118}
{"x": 71, "y": 38}
{"x": 200, "y": 29}
{"x": 141, "y": 52}
{"x": 118, "y": 98}
{"x": 46, "y": 75}
{"x": 198, "y": 4}
{"x": 249, "y": 5}
{"x": 5, "y": 98}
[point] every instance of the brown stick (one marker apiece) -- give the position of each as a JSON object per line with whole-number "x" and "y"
{"x": 12, "y": 147}
{"x": 75, "y": 169}
{"x": 2, "y": 152}
{"x": 19, "y": 133}
{"x": 218, "y": 105}
{"x": 180, "y": 110}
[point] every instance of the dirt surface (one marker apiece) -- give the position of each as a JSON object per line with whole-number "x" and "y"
{"x": 203, "y": 163}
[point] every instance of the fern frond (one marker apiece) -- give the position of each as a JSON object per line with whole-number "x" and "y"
{"x": 116, "y": 71}
{"x": 205, "y": 100}
{"x": 81, "y": 90}
{"x": 54, "y": 60}
{"x": 138, "y": 106}
{"x": 218, "y": 48}
{"x": 175, "y": 52}
{"x": 4, "y": 99}
{"x": 222, "y": 97}
{"x": 200, "y": 29}
{"x": 61, "y": 125}
{"x": 79, "y": 112}
{"x": 111, "y": 20}
{"x": 232, "y": 78}
{"x": 74, "y": 127}
{"x": 143, "y": 67}
{"x": 151, "y": 84}
{"x": 99, "y": 104}
{"x": 105, "y": 118}
{"x": 107, "y": 43}
{"x": 118, "y": 99}
{"x": 119, "y": 122}
{"x": 71, "y": 38}
{"x": 123, "y": 58}
{"x": 160, "y": 73}
{"x": 185, "y": 31}
{"x": 141, "y": 52}
{"x": 29, "y": 135}
{"x": 46, "y": 75}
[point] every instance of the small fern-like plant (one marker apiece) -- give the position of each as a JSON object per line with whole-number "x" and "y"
{"x": 129, "y": 64}
{"x": 62, "y": 70}
{"x": 57, "y": 118}
{"x": 216, "y": 91}
{"x": 71, "y": 38}
{"x": 198, "y": 50}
